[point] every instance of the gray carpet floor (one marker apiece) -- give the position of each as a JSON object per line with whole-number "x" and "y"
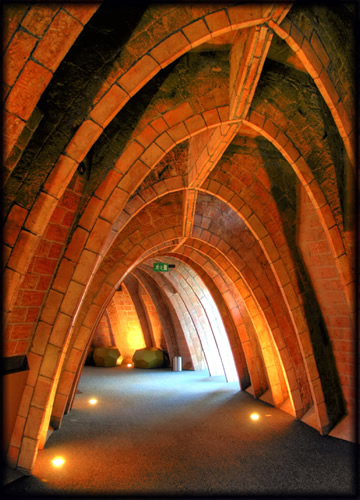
{"x": 161, "y": 433}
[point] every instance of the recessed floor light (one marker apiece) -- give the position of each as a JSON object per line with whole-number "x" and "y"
{"x": 58, "y": 461}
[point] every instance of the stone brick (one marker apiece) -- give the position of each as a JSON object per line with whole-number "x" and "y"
{"x": 41, "y": 337}
{"x": 81, "y": 340}
{"x": 27, "y": 454}
{"x": 58, "y": 39}
{"x": 178, "y": 114}
{"x": 33, "y": 423}
{"x": 195, "y": 124}
{"x": 85, "y": 267}
{"x": 63, "y": 275}
{"x": 83, "y": 13}
{"x": 114, "y": 205}
{"x": 139, "y": 74}
{"x": 178, "y": 133}
{"x": 41, "y": 392}
{"x": 12, "y": 128}
{"x": 60, "y": 176}
{"x": 72, "y": 298}
{"x": 17, "y": 54}
{"x": 132, "y": 179}
{"x": 165, "y": 142}
{"x": 65, "y": 385}
{"x": 257, "y": 227}
{"x": 170, "y": 49}
{"x": 159, "y": 124}
{"x": 40, "y": 213}
{"x": 245, "y": 16}
{"x": 23, "y": 251}
{"x": 16, "y": 332}
{"x": 151, "y": 155}
{"x": 76, "y": 244}
{"x": 13, "y": 224}
{"x": 196, "y": 32}
{"x": 60, "y": 330}
{"x": 74, "y": 360}
{"x": 218, "y": 22}
{"x": 12, "y": 16}
{"x": 147, "y": 136}
{"x": 18, "y": 431}
{"x": 51, "y": 306}
{"x": 44, "y": 265}
{"x": 128, "y": 158}
{"x": 38, "y": 18}
{"x": 83, "y": 139}
{"x": 27, "y": 90}
{"x": 109, "y": 105}
{"x": 50, "y": 361}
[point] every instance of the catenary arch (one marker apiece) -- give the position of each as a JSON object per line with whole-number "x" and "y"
{"x": 94, "y": 327}
{"x": 64, "y": 167}
{"x": 143, "y": 162}
{"x": 82, "y": 263}
{"x": 241, "y": 332}
{"x": 90, "y": 307}
{"x": 279, "y": 270}
{"x": 94, "y": 308}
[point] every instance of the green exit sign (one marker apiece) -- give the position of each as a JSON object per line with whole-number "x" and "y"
{"x": 161, "y": 266}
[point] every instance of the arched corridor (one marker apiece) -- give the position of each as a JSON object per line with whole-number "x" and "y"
{"x": 179, "y": 176}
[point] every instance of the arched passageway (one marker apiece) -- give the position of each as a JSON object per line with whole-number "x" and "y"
{"x": 216, "y": 138}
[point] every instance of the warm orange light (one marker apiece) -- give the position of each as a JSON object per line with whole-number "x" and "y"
{"x": 129, "y": 365}
{"x": 58, "y": 461}
{"x": 254, "y": 416}
{"x": 93, "y": 401}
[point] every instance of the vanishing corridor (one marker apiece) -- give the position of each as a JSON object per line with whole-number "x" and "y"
{"x": 179, "y": 181}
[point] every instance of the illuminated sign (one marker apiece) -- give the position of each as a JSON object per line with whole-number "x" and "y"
{"x": 161, "y": 266}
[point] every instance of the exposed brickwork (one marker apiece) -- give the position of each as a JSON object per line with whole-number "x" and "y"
{"x": 186, "y": 136}
{"x": 40, "y": 270}
{"x": 329, "y": 293}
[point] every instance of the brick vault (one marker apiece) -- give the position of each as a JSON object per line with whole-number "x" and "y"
{"x": 217, "y": 138}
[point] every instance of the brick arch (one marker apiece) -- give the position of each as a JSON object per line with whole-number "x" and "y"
{"x": 136, "y": 162}
{"x": 268, "y": 245}
{"x": 234, "y": 316}
{"x": 108, "y": 199}
{"x": 134, "y": 261}
{"x": 66, "y": 165}
{"x": 264, "y": 320}
{"x": 51, "y": 362}
{"x": 36, "y": 35}
{"x": 193, "y": 329}
{"x": 203, "y": 316}
{"x": 278, "y": 138}
{"x": 314, "y": 57}
{"x": 123, "y": 85}
{"x": 219, "y": 22}
{"x": 171, "y": 326}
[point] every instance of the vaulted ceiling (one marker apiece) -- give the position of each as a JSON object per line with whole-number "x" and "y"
{"x": 211, "y": 134}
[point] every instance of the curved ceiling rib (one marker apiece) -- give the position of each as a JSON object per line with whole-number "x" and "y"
{"x": 219, "y": 138}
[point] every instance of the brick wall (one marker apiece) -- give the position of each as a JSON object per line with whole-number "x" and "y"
{"x": 329, "y": 293}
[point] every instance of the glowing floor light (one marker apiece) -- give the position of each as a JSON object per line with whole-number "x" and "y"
{"x": 129, "y": 365}
{"x": 93, "y": 401}
{"x": 58, "y": 461}
{"x": 254, "y": 416}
